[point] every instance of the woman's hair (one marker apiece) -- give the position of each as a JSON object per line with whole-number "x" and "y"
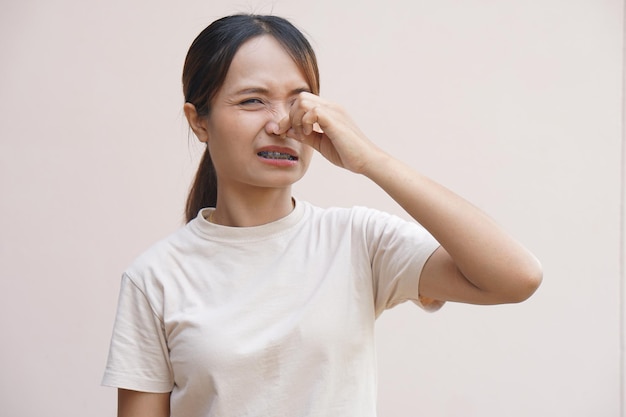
{"x": 205, "y": 69}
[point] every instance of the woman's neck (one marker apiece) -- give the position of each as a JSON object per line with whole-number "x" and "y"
{"x": 252, "y": 208}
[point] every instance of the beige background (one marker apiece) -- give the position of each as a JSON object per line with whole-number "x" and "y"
{"x": 516, "y": 105}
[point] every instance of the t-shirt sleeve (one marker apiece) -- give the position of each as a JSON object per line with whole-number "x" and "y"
{"x": 398, "y": 250}
{"x": 138, "y": 356}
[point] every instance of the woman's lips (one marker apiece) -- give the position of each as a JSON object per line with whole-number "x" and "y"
{"x": 278, "y": 156}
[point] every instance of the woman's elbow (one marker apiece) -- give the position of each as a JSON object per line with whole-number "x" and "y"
{"x": 525, "y": 283}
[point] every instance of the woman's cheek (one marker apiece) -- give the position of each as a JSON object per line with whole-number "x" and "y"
{"x": 306, "y": 154}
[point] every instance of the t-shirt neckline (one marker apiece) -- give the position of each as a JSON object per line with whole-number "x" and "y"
{"x": 202, "y": 227}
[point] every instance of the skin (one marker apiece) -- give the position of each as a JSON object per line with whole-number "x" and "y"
{"x": 493, "y": 269}
{"x": 142, "y": 404}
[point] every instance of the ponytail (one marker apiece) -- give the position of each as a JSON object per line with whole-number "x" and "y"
{"x": 203, "y": 192}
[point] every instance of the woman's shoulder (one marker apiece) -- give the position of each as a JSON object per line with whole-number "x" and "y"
{"x": 163, "y": 253}
{"x": 367, "y": 222}
{"x": 353, "y": 214}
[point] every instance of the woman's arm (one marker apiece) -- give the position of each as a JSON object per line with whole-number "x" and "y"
{"x": 477, "y": 263}
{"x": 142, "y": 404}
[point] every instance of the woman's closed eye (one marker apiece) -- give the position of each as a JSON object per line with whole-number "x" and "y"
{"x": 249, "y": 102}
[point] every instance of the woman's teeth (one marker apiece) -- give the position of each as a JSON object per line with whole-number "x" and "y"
{"x": 276, "y": 155}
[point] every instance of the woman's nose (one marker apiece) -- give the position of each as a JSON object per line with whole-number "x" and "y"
{"x": 279, "y": 112}
{"x": 271, "y": 127}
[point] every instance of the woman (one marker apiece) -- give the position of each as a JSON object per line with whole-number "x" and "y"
{"x": 263, "y": 305}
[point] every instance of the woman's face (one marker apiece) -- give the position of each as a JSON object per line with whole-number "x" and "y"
{"x": 260, "y": 86}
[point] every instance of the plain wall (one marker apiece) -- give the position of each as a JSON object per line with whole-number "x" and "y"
{"x": 515, "y": 105}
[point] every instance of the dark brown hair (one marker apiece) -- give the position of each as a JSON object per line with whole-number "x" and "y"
{"x": 205, "y": 69}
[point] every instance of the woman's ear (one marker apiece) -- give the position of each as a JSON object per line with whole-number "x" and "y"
{"x": 198, "y": 124}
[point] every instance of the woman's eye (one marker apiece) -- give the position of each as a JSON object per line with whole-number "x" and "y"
{"x": 251, "y": 101}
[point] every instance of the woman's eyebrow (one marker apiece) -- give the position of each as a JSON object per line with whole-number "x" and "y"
{"x": 252, "y": 90}
{"x": 301, "y": 90}
{"x": 265, "y": 91}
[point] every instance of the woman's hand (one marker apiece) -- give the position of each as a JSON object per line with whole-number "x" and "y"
{"x": 326, "y": 127}
{"x": 478, "y": 262}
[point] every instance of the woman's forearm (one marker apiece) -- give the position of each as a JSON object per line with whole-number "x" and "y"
{"x": 487, "y": 256}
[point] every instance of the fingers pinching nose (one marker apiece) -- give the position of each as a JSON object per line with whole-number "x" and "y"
{"x": 272, "y": 128}
{"x": 282, "y": 135}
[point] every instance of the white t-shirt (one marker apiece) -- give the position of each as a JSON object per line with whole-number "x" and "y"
{"x": 274, "y": 320}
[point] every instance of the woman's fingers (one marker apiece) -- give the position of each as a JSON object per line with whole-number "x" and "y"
{"x": 327, "y": 128}
{"x": 309, "y": 119}
{"x": 281, "y": 127}
{"x": 300, "y": 114}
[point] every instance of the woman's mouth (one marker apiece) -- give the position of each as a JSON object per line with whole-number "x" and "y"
{"x": 277, "y": 155}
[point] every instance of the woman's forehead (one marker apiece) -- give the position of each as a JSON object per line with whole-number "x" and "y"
{"x": 263, "y": 63}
